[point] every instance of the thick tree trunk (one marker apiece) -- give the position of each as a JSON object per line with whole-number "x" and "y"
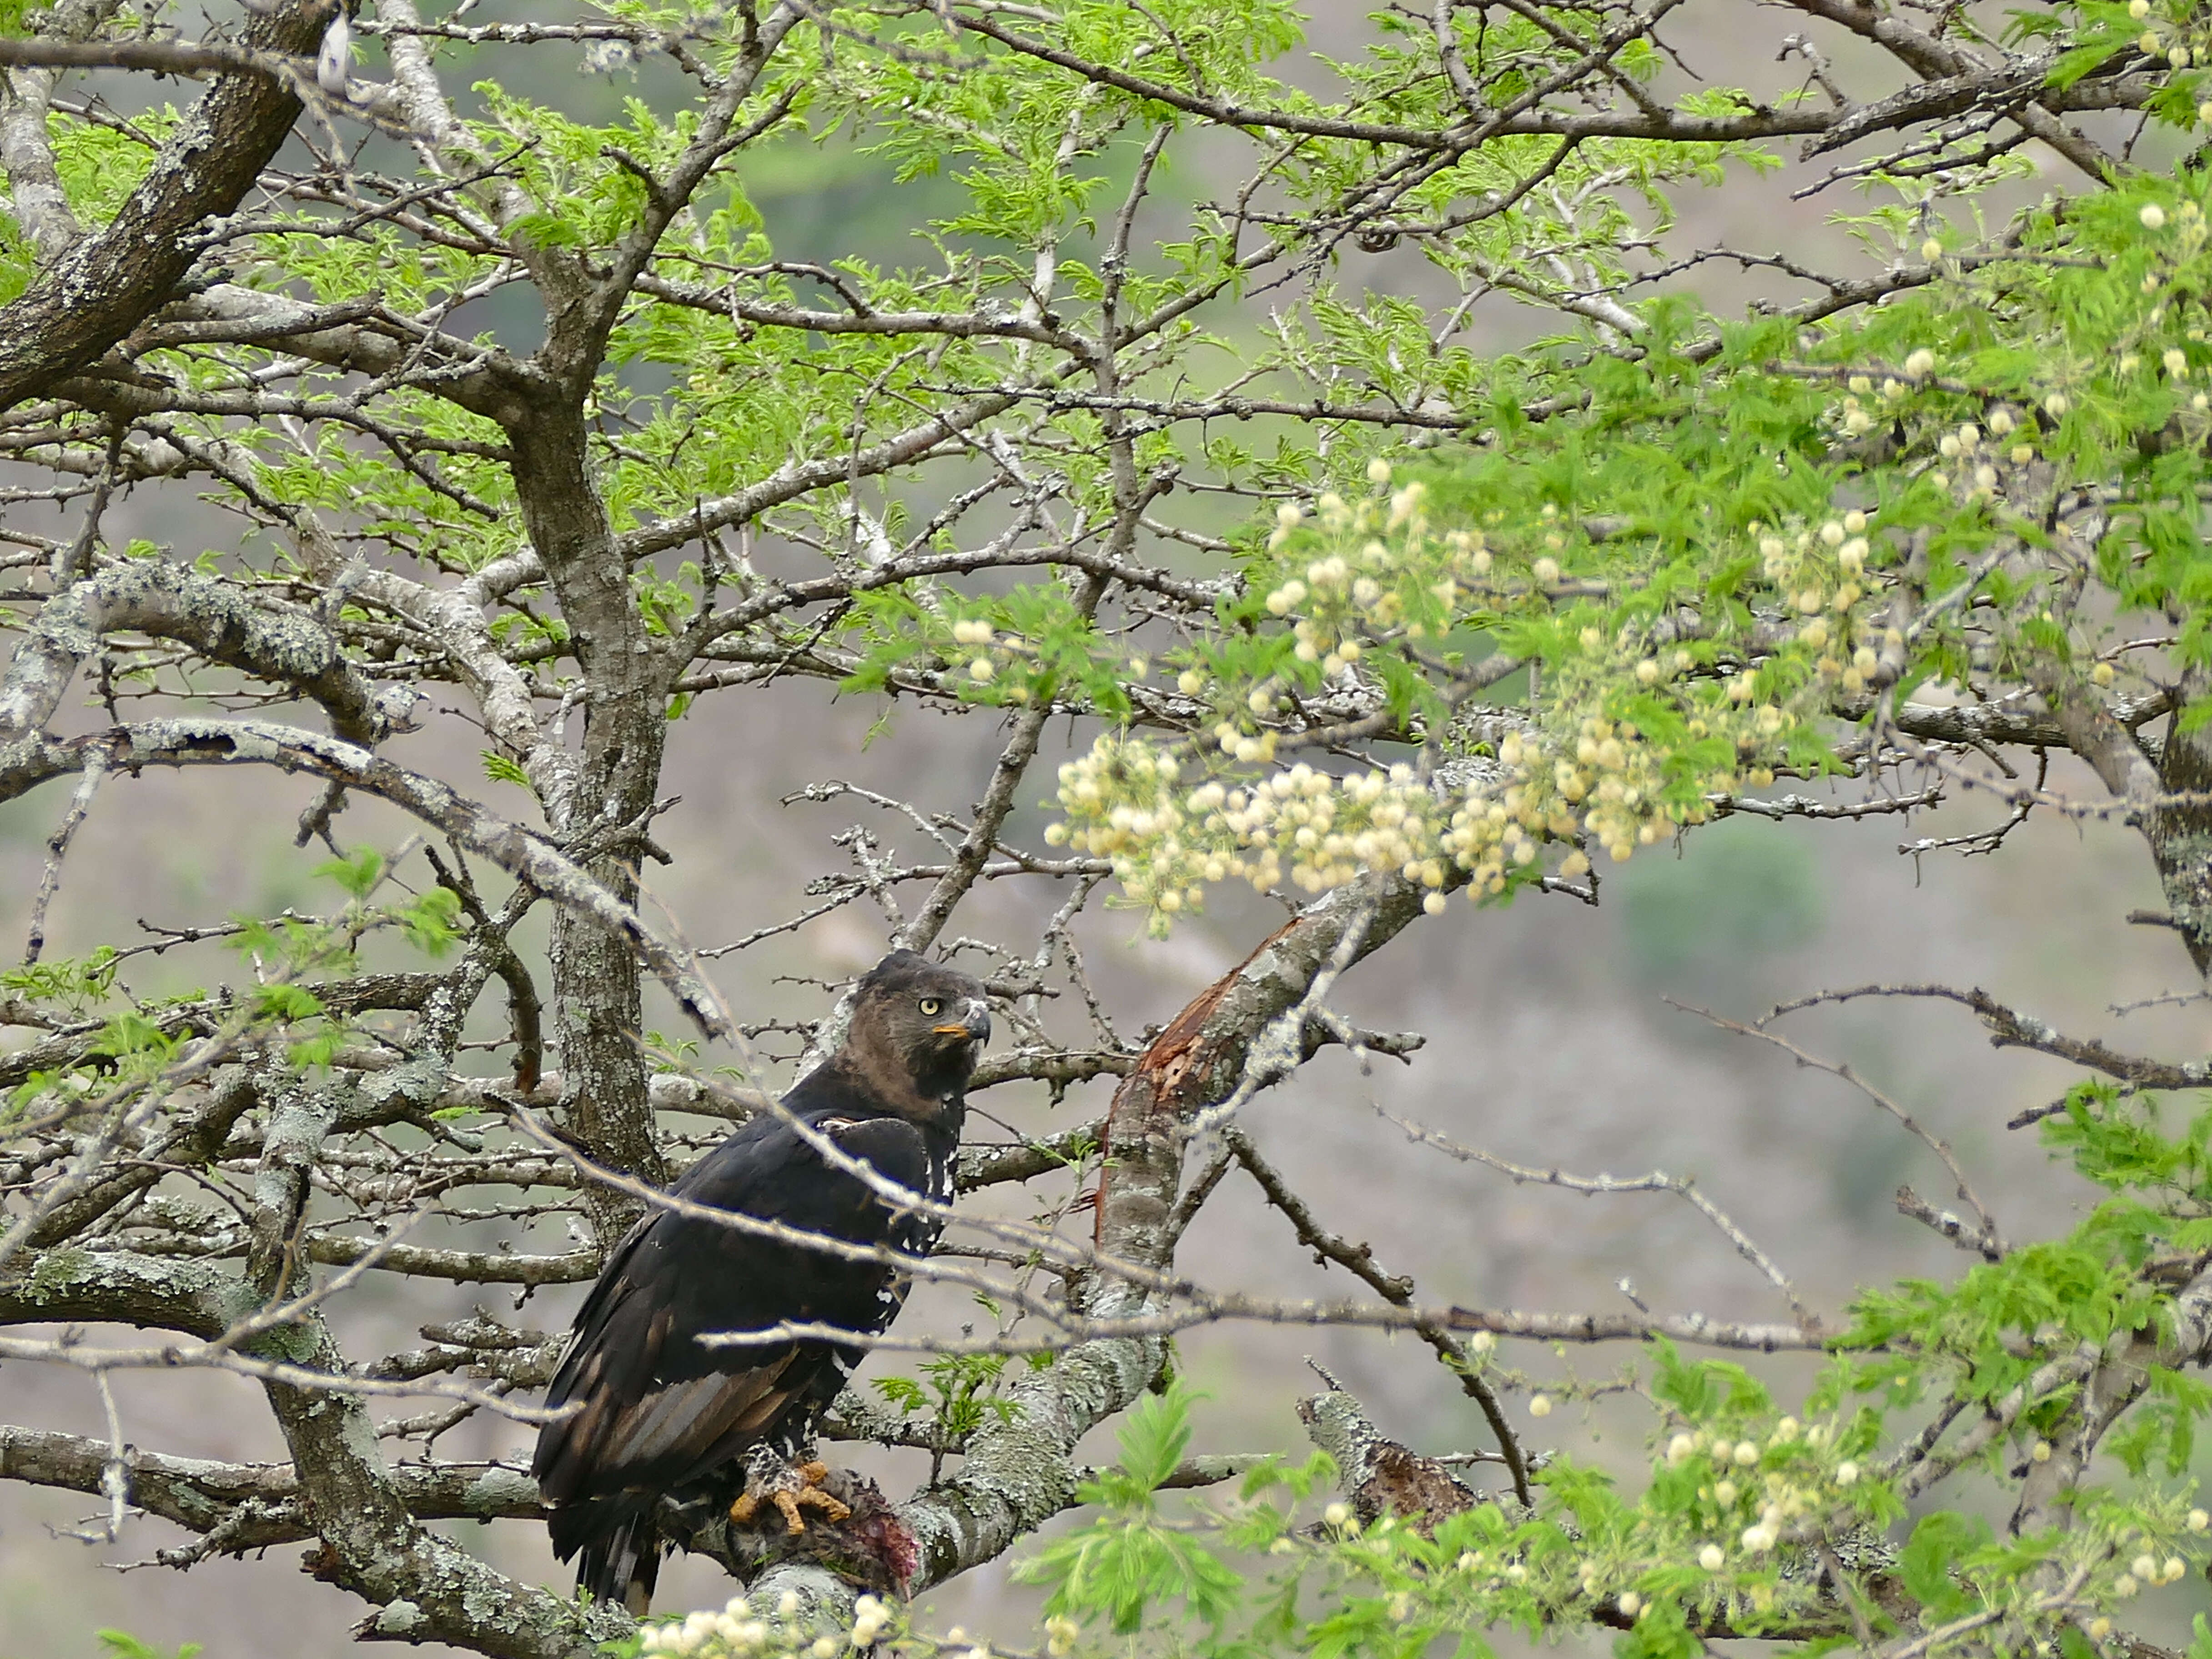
{"x": 2180, "y": 829}
{"x": 597, "y": 990}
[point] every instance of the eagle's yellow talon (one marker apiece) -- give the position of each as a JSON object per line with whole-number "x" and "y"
{"x": 789, "y": 1500}
{"x": 832, "y": 1509}
{"x": 789, "y": 1505}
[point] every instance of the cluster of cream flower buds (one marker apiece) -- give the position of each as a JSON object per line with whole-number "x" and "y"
{"x": 734, "y": 1631}
{"x": 1822, "y": 574}
{"x": 2148, "y": 1570}
{"x": 1608, "y": 784}
{"x": 738, "y": 1632}
{"x": 1853, "y": 417}
{"x": 1122, "y": 803}
{"x": 871, "y": 1616}
{"x": 982, "y": 651}
{"x": 1786, "y": 1477}
{"x": 2172, "y": 42}
{"x": 1970, "y": 453}
{"x": 1752, "y": 1491}
{"x": 1377, "y": 587}
{"x": 1172, "y": 824}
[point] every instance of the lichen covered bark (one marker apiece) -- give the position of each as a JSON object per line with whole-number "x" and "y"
{"x": 110, "y": 281}
{"x": 598, "y": 995}
{"x": 2180, "y": 828}
{"x": 214, "y": 618}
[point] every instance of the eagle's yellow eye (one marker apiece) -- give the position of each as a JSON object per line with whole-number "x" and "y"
{"x": 932, "y": 1007}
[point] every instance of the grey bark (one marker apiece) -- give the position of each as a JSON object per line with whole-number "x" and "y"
{"x": 2179, "y": 826}
{"x": 597, "y": 997}
{"x": 27, "y": 151}
{"x": 215, "y": 618}
{"x": 372, "y": 1543}
{"x": 110, "y": 281}
{"x": 598, "y": 993}
{"x": 206, "y": 1495}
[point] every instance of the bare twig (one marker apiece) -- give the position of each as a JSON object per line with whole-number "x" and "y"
{"x": 57, "y": 845}
{"x": 1988, "y": 1239}
{"x": 1658, "y": 1181}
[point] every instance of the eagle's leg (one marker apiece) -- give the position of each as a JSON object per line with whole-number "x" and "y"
{"x": 789, "y": 1487}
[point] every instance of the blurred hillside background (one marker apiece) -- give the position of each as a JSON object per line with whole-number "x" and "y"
{"x": 1549, "y": 1039}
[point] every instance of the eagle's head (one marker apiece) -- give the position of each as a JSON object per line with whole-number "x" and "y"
{"x": 923, "y": 1022}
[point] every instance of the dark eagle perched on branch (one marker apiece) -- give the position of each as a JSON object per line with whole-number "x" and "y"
{"x": 661, "y": 1410}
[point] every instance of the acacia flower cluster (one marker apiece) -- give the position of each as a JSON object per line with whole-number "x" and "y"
{"x": 1793, "y": 1474}
{"x": 2177, "y": 35}
{"x": 1662, "y": 700}
{"x": 1822, "y": 575}
{"x": 1123, "y": 802}
{"x": 1638, "y": 736}
{"x": 979, "y": 654}
{"x": 1731, "y": 1506}
{"x": 738, "y": 1632}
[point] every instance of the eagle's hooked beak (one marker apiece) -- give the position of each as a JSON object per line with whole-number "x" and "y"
{"x": 973, "y": 1024}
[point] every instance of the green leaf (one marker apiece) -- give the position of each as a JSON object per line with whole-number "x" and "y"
{"x": 358, "y": 872}
{"x": 280, "y": 1001}
{"x": 124, "y": 1645}
{"x": 1939, "y": 1543}
{"x": 2073, "y": 64}
{"x": 1152, "y": 1438}
{"x": 499, "y": 769}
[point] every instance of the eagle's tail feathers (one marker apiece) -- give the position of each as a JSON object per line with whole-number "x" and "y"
{"x": 620, "y": 1563}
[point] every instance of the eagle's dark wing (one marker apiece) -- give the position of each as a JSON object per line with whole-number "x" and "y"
{"x": 661, "y": 1410}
